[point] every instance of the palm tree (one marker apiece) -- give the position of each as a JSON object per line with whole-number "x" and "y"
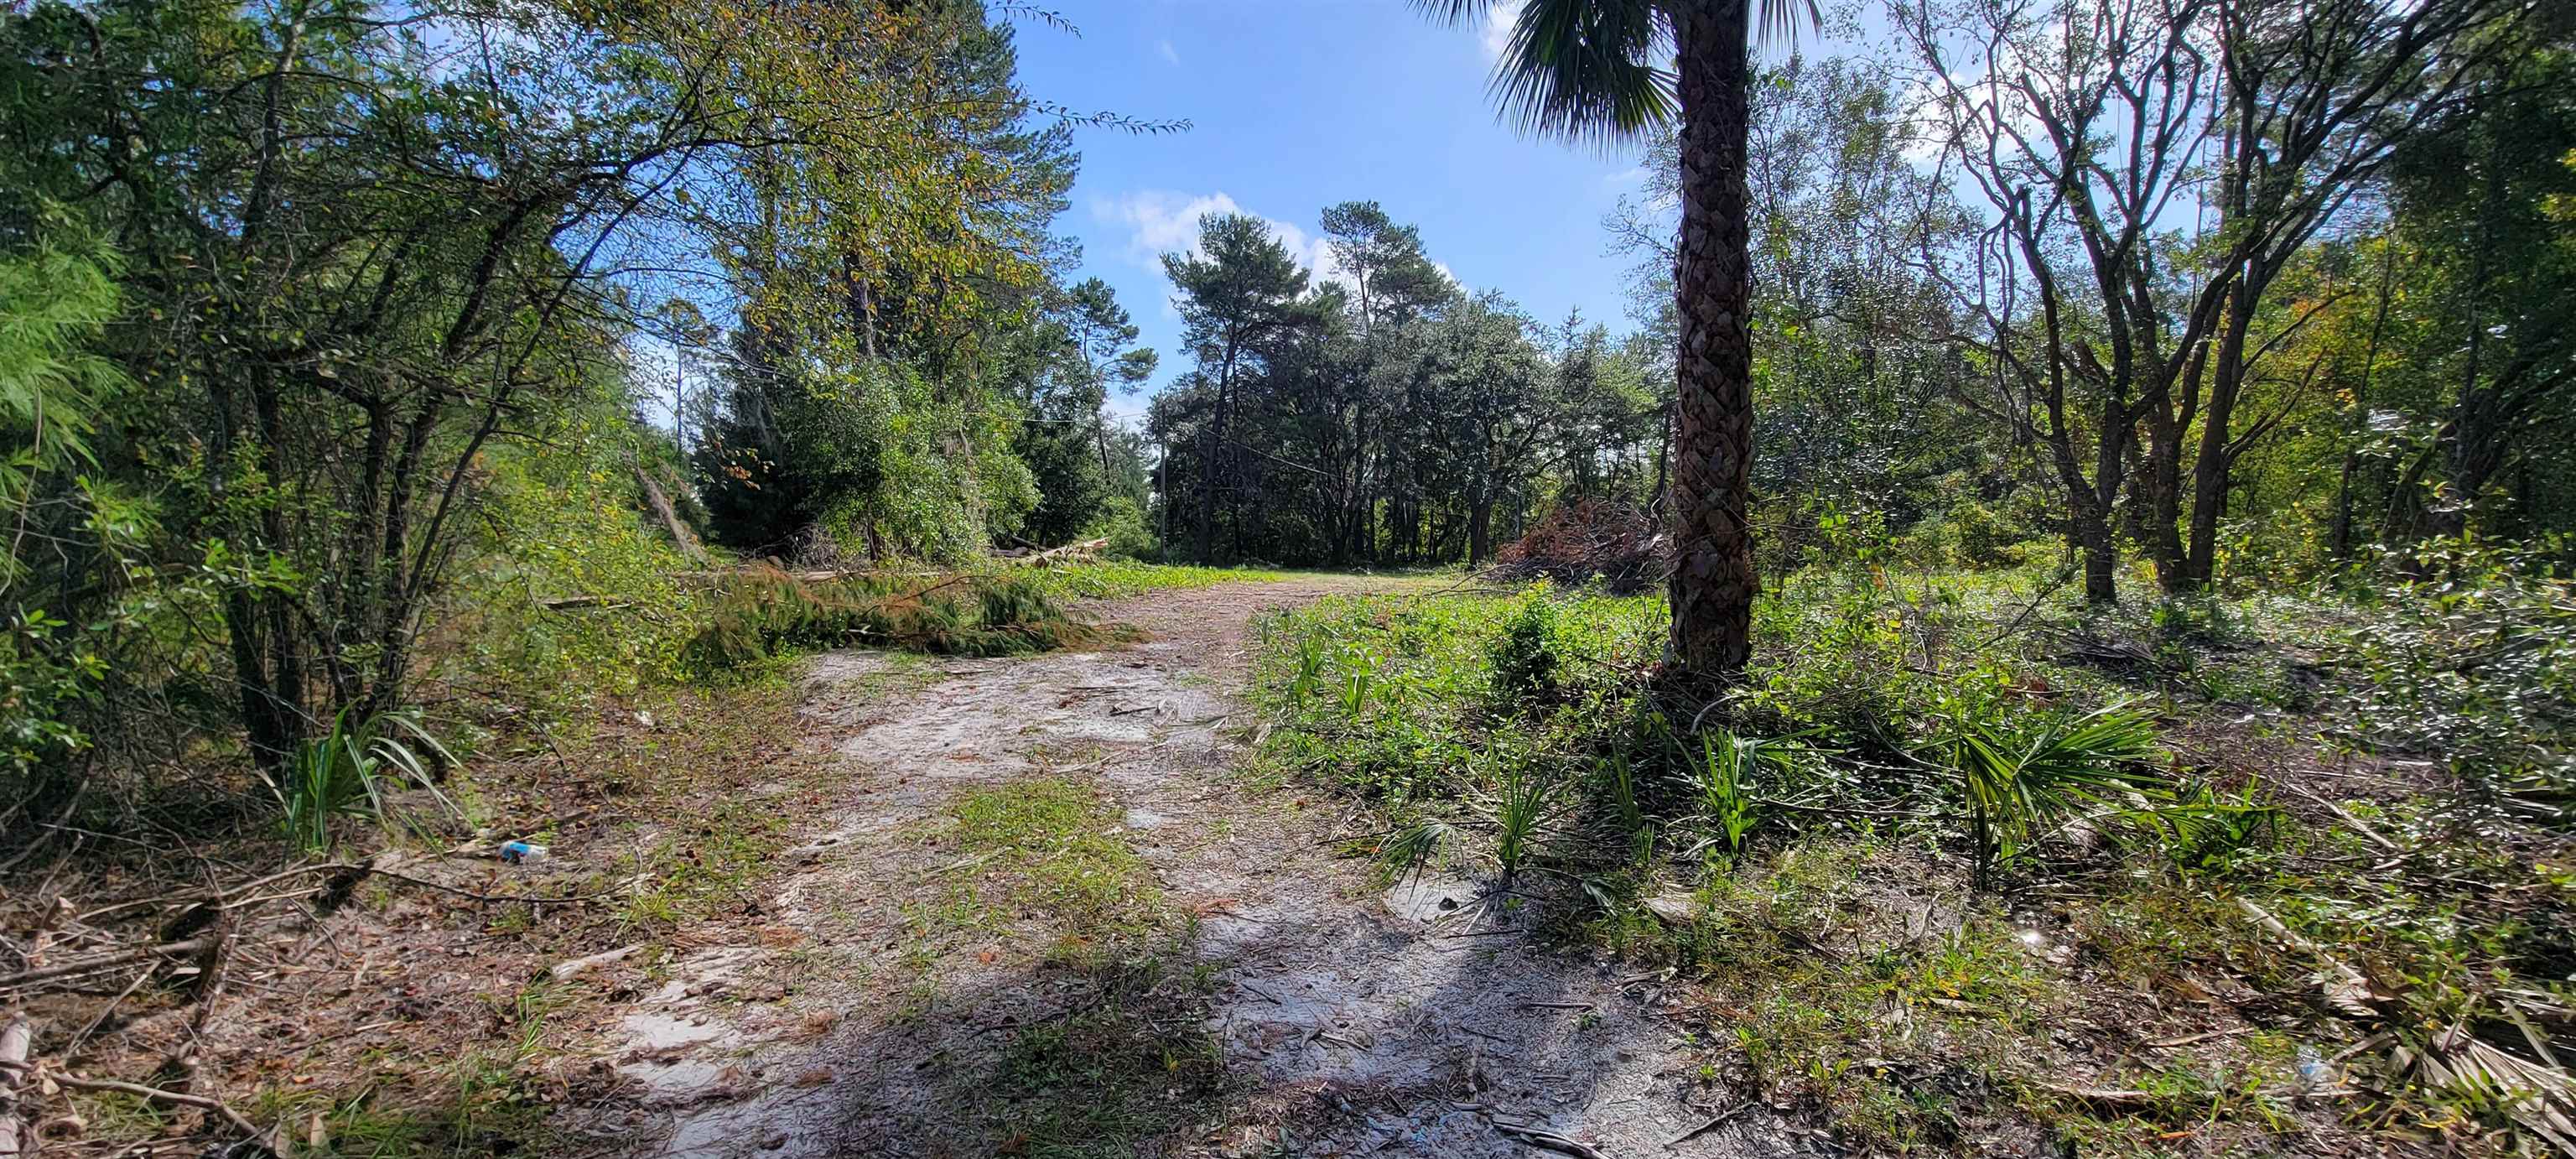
{"x": 1592, "y": 71}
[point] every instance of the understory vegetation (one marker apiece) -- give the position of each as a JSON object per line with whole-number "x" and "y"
{"x": 2250, "y": 872}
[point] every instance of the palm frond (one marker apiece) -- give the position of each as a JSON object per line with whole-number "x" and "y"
{"x": 1777, "y": 21}
{"x": 1588, "y": 71}
{"x": 1454, "y": 11}
{"x": 1591, "y": 71}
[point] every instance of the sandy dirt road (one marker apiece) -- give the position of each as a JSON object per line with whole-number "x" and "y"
{"x": 1342, "y": 1017}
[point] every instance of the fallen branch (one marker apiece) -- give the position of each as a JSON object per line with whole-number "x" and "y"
{"x": 2354, "y": 823}
{"x": 2102, "y": 1096}
{"x": 2347, "y": 990}
{"x": 2187, "y": 1040}
{"x": 110, "y": 961}
{"x": 16, "y": 1130}
{"x": 1043, "y": 558}
{"x": 1711, "y": 1124}
{"x": 566, "y": 969}
{"x": 221, "y": 896}
{"x": 1540, "y": 1137}
{"x": 565, "y": 603}
{"x": 156, "y": 1094}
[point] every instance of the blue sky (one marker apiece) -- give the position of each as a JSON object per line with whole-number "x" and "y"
{"x": 1296, "y": 105}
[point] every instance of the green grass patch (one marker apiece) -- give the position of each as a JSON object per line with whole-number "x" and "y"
{"x": 2121, "y": 772}
{"x": 1048, "y": 846}
{"x": 1114, "y": 578}
{"x": 1834, "y": 984}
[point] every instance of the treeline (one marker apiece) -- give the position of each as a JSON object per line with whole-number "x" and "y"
{"x": 2220, "y": 289}
{"x": 1387, "y": 415}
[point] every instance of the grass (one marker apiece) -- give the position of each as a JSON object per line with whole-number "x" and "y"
{"x": 490, "y": 1099}
{"x": 1047, "y": 843}
{"x": 1122, "y": 1057}
{"x": 2085, "y": 800}
{"x": 1132, "y": 1065}
{"x": 1823, "y": 983}
{"x": 1114, "y": 578}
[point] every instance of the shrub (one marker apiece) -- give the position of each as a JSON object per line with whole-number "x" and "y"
{"x": 566, "y": 589}
{"x": 1529, "y": 655}
{"x": 1122, "y": 522}
{"x": 1589, "y": 540}
{"x": 2471, "y": 653}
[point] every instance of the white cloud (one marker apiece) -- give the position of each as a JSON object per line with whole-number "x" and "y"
{"x": 1169, "y": 54}
{"x": 1161, "y": 221}
{"x": 1631, "y": 175}
{"x": 1497, "y": 32}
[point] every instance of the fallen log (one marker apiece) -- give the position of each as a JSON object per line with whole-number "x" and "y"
{"x": 659, "y": 504}
{"x": 1057, "y": 554}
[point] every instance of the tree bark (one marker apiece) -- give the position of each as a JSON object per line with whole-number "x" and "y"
{"x": 2470, "y": 454}
{"x": 2209, "y": 474}
{"x": 1713, "y": 581}
{"x": 659, "y": 505}
{"x": 1480, "y": 528}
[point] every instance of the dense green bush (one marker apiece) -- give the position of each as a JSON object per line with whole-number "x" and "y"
{"x": 2467, "y": 651}
{"x": 567, "y": 591}
{"x": 1530, "y": 656}
{"x": 1121, "y": 521}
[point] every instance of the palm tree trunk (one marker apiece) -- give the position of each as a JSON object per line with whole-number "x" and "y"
{"x": 1713, "y": 580}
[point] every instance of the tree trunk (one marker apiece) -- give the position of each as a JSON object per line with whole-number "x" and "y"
{"x": 1657, "y": 502}
{"x": 2209, "y": 474}
{"x": 1713, "y": 580}
{"x": 2169, "y": 426}
{"x": 1480, "y": 528}
{"x": 2091, "y": 530}
{"x": 1208, "y": 439}
{"x": 659, "y": 505}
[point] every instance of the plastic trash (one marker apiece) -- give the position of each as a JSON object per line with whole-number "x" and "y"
{"x": 2314, "y": 1072}
{"x": 522, "y": 853}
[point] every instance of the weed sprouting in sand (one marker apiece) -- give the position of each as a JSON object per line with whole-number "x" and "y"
{"x": 1525, "y": 799}
{"x": 1726, "y": 776}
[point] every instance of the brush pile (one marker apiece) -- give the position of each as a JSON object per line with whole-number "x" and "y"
{"x": 1588, "y": 540}
{"x": 763, "y": 612}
